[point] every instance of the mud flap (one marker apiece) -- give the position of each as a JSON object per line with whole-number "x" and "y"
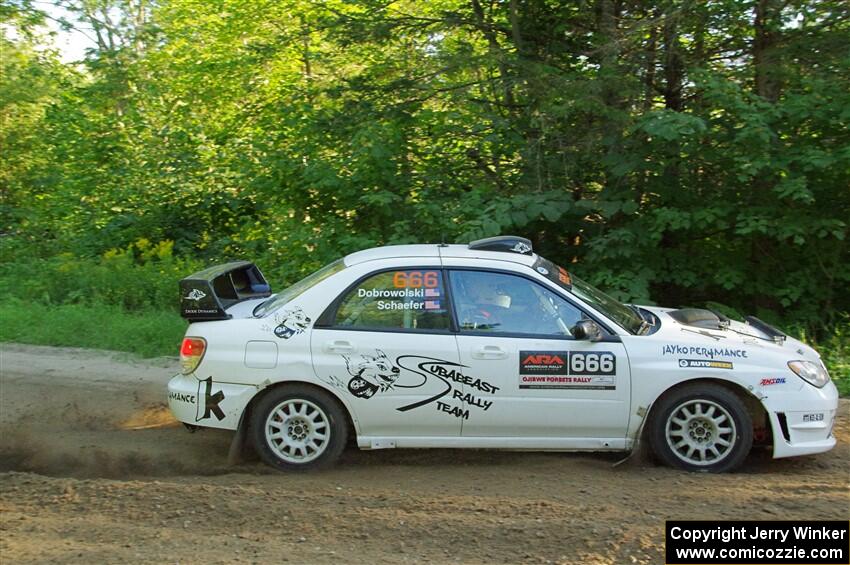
{"x": 236, "y": 453}
{"x": 638, "y": 446}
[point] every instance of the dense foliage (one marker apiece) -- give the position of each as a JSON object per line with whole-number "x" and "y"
{"x": 679, "y": 151}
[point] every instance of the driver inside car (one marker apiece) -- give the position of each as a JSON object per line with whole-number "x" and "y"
{"x": 505, "y": 303}
{"x": 483, "y": 303}
{"x": 490, "y": 303}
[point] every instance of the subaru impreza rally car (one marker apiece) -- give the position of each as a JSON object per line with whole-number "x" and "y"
{"x": 486, "y": 345}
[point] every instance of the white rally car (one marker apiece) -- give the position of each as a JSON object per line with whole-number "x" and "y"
{"x": 485, "y": 345}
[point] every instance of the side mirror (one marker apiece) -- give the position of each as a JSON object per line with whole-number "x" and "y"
{"x": 586, "y": 329}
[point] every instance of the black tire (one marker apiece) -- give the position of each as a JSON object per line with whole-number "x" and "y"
{"x": 307, "y": 399}
{"x": 670, "y": 421}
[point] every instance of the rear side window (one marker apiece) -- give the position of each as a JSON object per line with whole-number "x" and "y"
{"x": 298, "y": 288}
{"x": 411, "y": 299}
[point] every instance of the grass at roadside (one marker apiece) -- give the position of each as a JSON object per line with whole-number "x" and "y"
{"x": 147, "y": 333}
{"x": 154, "y": 333}
{"x": 835, "y": 352}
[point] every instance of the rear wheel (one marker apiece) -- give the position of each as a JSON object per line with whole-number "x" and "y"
{"x": 701, "y": 427}
{"x": 298, "y": 427}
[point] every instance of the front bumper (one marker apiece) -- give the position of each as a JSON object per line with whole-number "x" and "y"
{"x": 207, "y": 402}
{"x": 802, "y": 421}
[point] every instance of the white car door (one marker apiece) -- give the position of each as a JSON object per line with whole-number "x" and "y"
{"x": 387, "y": 344}
{"x": 514, "y": 333}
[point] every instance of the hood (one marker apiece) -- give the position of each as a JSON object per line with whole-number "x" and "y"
{"x": 706, "y": 327}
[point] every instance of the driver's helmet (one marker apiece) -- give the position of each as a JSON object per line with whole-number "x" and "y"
{"x": 489, "y": 290}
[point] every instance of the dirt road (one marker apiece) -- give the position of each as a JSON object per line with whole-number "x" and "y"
{"x": 93, "y": 469}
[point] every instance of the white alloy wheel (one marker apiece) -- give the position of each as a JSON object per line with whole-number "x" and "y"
{"x": 297, "y": 431}
{"x": 700, "y": 432}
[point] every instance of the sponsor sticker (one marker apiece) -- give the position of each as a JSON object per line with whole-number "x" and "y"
{"x": 554, "y": 382}
{"x": 704, "y": 364}
{"x": 181, "y": 397}
{"x": 210, "y": 406}
{"x": 589, "y": 370}
{"x": 200, "y": 311}
{"x": 708, "y": 352}
{"x": 543, "y": 362}
{"x": 773, "y": 381}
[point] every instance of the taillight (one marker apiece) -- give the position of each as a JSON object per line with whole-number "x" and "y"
{"x": 191, "y": 353}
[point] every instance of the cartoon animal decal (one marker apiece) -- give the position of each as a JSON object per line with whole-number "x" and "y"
{"x": 370, "y": 374}
{"x": 333, "y": 381}
{"x": 195, "y": 295}
{"x": 451, "y": 390}
{"x": 289, "y": 323}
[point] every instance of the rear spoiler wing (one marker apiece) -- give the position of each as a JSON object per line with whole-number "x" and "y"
{"x": 205, "y": 295}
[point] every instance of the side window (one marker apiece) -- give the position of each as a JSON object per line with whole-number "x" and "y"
{"x": 412, "y": 299}
{"x": 502, "y": 303}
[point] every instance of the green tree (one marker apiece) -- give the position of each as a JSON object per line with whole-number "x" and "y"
{"x": 678, "y": 151}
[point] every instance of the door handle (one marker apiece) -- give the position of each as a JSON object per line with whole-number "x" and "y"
{"x": 489, "y": 352}
{"x": 339, "y": 346}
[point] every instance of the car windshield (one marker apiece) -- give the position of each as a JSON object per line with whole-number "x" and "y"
{"x": 290, "y": 293}
{"x": 617, "y": 311}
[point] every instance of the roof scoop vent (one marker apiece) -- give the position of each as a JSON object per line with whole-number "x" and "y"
{"x": 509, "y": 243}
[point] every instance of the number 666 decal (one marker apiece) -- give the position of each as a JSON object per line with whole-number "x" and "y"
{"x": 593, "y": 363}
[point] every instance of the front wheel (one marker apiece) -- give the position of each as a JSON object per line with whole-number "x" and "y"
{"x": 298, "y": 428}
{"x": 701, "y": 427}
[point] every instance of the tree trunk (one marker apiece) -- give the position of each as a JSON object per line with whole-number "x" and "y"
{"x": 495, "y": 50}
{"x": 766, "y": 26}
{"x": 673, "y": 66}
{"x": 650, "y": 62}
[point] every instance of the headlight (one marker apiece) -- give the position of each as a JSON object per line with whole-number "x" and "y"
{"x": 813, "y": 373}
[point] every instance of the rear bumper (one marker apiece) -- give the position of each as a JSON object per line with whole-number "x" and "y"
{"x": 802, "y": 421}
{"x": 208, "y": 403}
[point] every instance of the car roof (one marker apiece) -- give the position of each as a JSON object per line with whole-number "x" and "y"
{"x": 433, "y": 250}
